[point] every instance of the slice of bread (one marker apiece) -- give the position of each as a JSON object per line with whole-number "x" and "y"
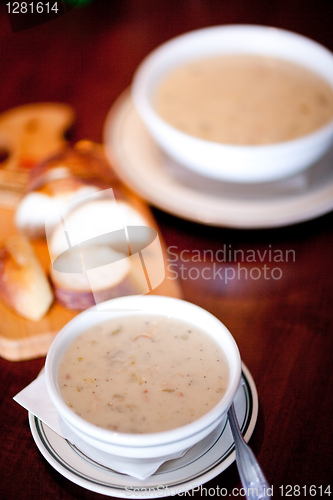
{"x": 60, "y": 181}
{"x": 91, "y": 260}
{"x": 33, "y": 132}
{"x": 24, "y": 286}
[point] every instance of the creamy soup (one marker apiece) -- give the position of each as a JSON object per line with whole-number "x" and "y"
{"x": 244, "y": 100}
{"x": 143, "y": 374}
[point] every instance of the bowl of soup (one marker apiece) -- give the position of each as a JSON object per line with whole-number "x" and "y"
{"x": 239, "y": 103}
{"x": 146, "y": 377}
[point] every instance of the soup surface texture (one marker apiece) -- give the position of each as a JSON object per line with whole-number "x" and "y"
{"x": 143, "y": 374}
{"x": 244, "y": 99}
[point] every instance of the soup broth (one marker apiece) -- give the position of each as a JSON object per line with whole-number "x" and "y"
{"x": 244, "y": 100}
{"x": 143, "y": 374}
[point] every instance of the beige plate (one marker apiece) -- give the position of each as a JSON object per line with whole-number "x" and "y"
{"x": 200, "y": 464}
{"x": 142, "y": 165}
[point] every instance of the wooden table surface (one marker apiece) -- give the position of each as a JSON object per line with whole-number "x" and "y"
{"x": 283, "y": 327}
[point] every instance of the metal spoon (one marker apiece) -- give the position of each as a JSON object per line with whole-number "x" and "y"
{"x": 252, "y": 477}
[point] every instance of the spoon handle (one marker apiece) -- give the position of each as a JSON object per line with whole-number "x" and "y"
{"x": 252, "y": 477}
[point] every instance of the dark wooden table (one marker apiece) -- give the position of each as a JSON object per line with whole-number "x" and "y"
{"x": 283, "y": 327}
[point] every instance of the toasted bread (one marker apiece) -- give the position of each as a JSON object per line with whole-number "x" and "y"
{"x": 23, "y": 284}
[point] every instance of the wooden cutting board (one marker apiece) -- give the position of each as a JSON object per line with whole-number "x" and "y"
{"x": 28, "y": 135}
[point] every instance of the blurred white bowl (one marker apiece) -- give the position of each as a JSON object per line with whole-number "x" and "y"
{"x": 222, "y": 161}
{"x": 154, "y": 445}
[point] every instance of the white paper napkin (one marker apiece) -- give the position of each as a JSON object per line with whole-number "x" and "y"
{"x": 35, "y": 399}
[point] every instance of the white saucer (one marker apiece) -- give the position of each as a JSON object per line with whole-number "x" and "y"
{"x": 200, "y": 464}
{"x": 142, "y": 165}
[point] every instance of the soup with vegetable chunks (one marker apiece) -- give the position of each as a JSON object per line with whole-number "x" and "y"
{"x": 143, "y": 374}
{"x": 244, "y": 99}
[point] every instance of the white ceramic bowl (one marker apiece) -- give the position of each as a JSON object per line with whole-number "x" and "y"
{"x": 228, "y": 162}
{"x": 154, "y": 445}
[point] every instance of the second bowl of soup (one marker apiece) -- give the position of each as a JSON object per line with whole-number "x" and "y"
{"x": 239, "y": 103}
